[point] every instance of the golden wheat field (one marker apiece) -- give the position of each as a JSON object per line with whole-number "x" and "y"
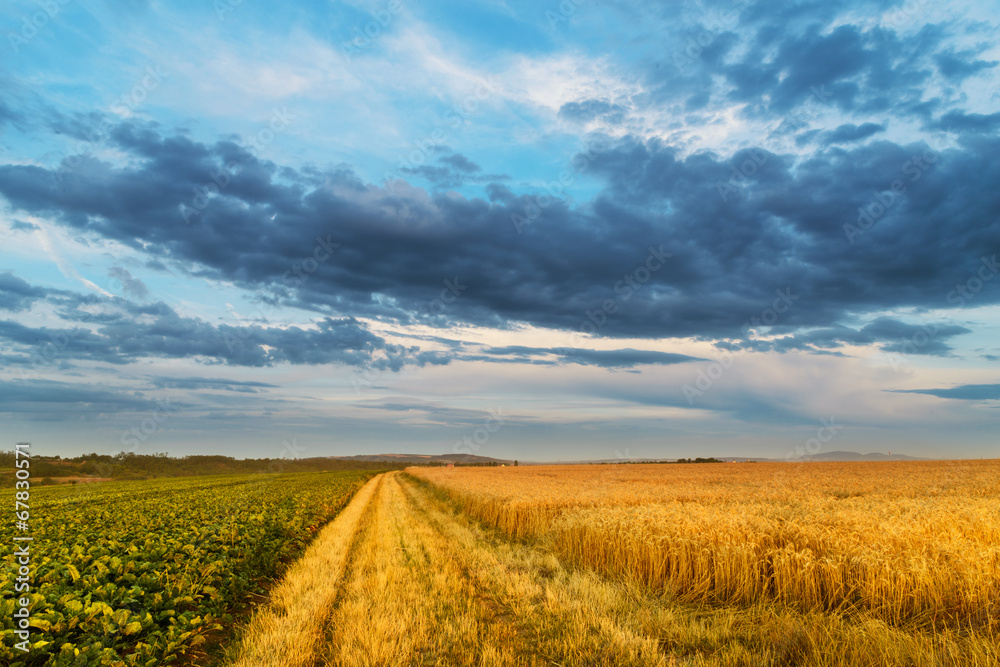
{"x": 700, "y": 565}
{"x": 694, "y": 565}
{"x": 913, "y": 544}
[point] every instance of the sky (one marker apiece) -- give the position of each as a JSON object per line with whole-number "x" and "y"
{"x": 545, "y": 231}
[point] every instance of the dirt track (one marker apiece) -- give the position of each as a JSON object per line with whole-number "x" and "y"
{"x": 400, "y": 579}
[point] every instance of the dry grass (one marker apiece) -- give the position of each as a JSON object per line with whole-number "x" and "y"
{"x": 912, "y": 544}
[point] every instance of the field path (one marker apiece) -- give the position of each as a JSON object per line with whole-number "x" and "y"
{"x": 426, "y": 587}
{"x": 400, "y": 578}
{"x": 288, "y": 631}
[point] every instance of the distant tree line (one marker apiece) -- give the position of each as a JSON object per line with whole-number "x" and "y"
{"x": 697, "y": 460}
{"x": 478, "y": 464}
{"x": 128, "y": 465}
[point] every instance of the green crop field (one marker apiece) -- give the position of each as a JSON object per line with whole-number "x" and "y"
{"x": 140, "y": 573}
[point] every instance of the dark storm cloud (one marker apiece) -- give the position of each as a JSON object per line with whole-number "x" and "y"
{"x": 85, "y": 127}
{"x": 958, "y": 66}
{"x": 965, "y": 392}
{"x": 452, "y": 171}
{"x": 460, "y": 163}
{"x": 588, "y": 110}
{"x": 849, "y": 133}
{"x": 889, "y": 334}
{"x": 16, "y": 294}
{"x": 776, "y": 59}
{"x": 958, "y": 121}
{"x": 812, "y": 61}
{"x": 897, "y": 336}
{"x": 121, "y": 332}
{"x": 931, "y": 237}
{"x": 674, "y": 246}
{"x": 46, "y": 396}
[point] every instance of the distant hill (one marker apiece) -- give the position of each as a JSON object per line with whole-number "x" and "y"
{"x": 855, "y": 456}
{"x": 444, "y": 459}
{"x": 472, "y": 459}
{"x": 721, "y": 459}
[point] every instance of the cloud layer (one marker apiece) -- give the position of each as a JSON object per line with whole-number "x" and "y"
{"x": 577, "y": 213}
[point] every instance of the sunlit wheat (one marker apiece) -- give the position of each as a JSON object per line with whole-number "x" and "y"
{"x": 913, "y": 542}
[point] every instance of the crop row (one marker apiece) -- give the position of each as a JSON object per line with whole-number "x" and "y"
{"x": 140, "y": 573}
